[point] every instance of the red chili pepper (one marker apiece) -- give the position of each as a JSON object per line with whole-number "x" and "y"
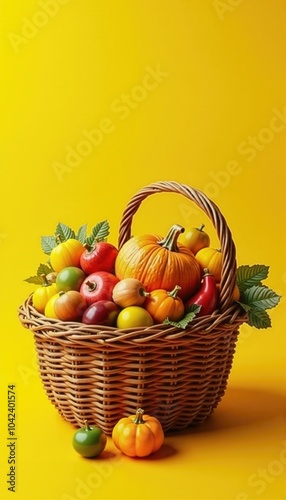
{"x": 206, "y": 297}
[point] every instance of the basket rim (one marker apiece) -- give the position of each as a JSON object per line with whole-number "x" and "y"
{"x": 214, "y": 324}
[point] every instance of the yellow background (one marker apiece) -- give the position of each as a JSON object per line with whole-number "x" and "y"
{"x": 213, "y": 119}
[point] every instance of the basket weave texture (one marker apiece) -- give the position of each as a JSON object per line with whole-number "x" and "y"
{"x": 103, "y": 373}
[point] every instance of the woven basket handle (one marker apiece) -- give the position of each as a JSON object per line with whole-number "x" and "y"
{"x": 228, "y": 277}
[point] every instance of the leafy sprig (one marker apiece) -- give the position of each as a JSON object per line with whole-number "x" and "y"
{"x": 248, "y": 276}
{"x": 187, "y": 319}
{"x": 255, "y": 297}
{"x": 37, "y": 278}
{"x": 99, "y": 232}
{"x": 62, "y": 233}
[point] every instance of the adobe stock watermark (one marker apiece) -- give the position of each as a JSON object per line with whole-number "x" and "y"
{"x": 26, "y": 372}
{"x": 120, "y": 109}
{"x": 248, "y": 150}
{"x": 259, "y": 480}
{"x": 31, "y": 27}
{"x": 223, "y": 7}
{"x": 245, "y": 332}
{"x": 99, "y": 471}
{"x": 254, "y": 144}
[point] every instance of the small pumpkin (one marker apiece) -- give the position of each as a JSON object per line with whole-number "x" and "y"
{"x": 162, "y": 304}
{"x": 43, "y": 293}
{"x": 138, "y": 435}
{"x": 159, "y": 263}
{"x": 129, "y": 292}
{"x": 211, "y": 258}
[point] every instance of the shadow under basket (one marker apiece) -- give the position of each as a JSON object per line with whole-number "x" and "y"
{"x": 100, "y": 374}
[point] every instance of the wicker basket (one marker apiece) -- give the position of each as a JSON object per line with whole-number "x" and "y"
{"x": 178, "y": 375}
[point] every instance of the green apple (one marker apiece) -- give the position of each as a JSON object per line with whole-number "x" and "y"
{"x": 89, "y": 441}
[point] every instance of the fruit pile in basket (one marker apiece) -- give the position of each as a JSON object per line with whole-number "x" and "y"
{"x": 150, "y": 280}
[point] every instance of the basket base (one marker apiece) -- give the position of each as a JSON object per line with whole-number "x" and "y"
{"x": 178, "y": 402}
{"x": 107, "y": 422}
{"x": 101, "y": 376}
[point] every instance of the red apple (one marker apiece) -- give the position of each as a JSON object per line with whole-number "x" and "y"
{"x": 98, "y": 286}
{"x": 103, "y": 312}
{"x": 99, "y": 257}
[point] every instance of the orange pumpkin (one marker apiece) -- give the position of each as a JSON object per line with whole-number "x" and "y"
{"x": 162, "y": 304}
{"x": 159, "y": 263}
{"x": 138, "y": 435}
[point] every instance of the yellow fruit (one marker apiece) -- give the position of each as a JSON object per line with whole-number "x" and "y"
{"x": 49, "y": 309}
{"x": 134, "y": 316}
{"x": 211, "y": 258}
{"x": 194, "y": 238}
{"x": 42, "y": 295}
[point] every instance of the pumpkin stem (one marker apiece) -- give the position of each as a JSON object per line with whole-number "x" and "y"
{"x": 170, "y": 241}
{"x": 174, "y": 292}
{"x": 139, "y": 416}
{"x": 201, "y": 227}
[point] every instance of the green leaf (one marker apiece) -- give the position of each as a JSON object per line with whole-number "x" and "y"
{"x": 64, "y": 232}
{"x": 98, "y": 233}
{"x": 245, "y": 306}
{"x": 35, "y": 280}
{"x": 248, "y": 276}
{"x": 260, "y": 297}
{"x": 48, "y": 243}
{"x": 259, "y": 318}
{"x": 81, "y": 234}
{"x": 186, "y": 320}
{"x": 44, "y": 269}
